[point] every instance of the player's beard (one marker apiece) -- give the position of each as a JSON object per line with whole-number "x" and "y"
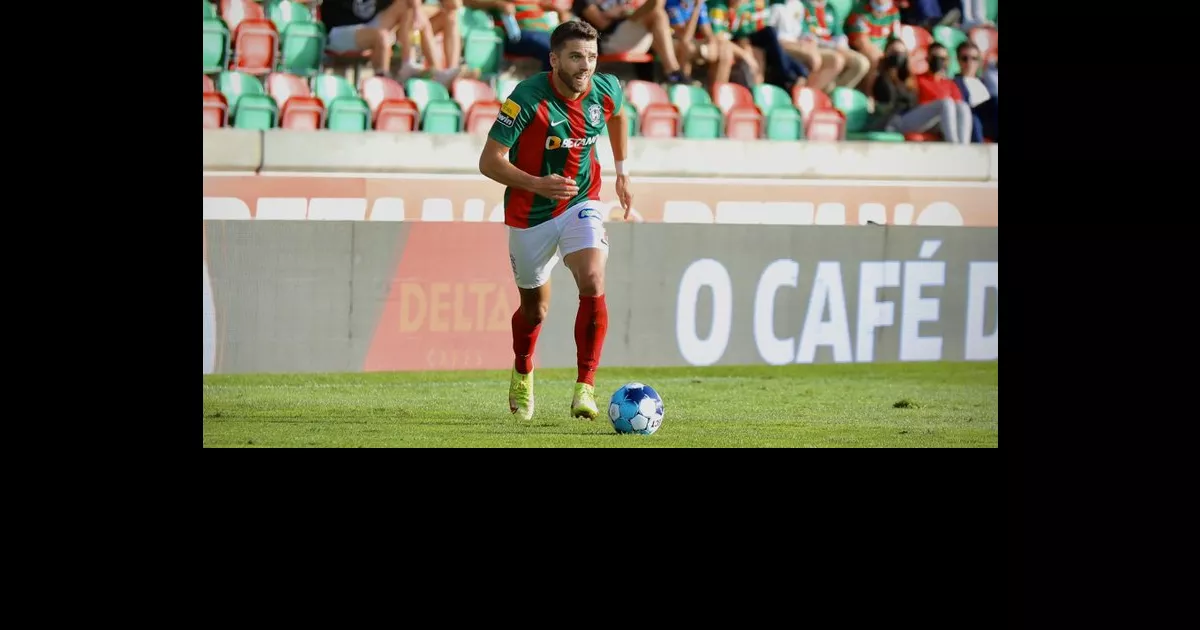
{"x": 569, "y": 80}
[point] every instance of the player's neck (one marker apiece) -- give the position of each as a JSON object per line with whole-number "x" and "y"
{"x": 564, "y": 91}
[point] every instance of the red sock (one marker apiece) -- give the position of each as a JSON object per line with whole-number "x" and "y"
{"x": 524, "y": 338}
{"x": 591, "y": 323}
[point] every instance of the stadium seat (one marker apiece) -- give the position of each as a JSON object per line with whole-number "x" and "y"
{"x": 422, "y": 91}
{"x": 743, "y": 121}
{"x": 216, "y": 45}
{"x": 768, "y": 97}
{"x": 210, "y": 10}
{"x": 992, "y": 5}
{"x": 854, "y": 105}
{"x": 235, "y": 11}
{"x": 235, "y": 85}
{"x": 784, "y": 123}
{"x": 917, "y": 40}
{"x": 470, "y": 19}
{"x": 209, "y": 86}
{"x": 808, "y": 100}
{"x": 378, "y": 89}
{"x": 828, "y": 125}
{"x": 727, "y": 95}
{"x": 441, "y": 116}
{"x": 396, "y": 115}
{"x": 923, "y": 136}
{"x": 684, "y": 96}
{"x": 950, "y": 37}
{"x": 659, "y": 120}
{"x": 504, "y": 87}
{"x": 302, "y": 45}
{"x": 482, "y": 50}
{"x": 645, "y": 93}
{"x": 298, "y": 108}
{"x": 703, "y": 120}
{"x": 254, "y": 45}
{"x": 467, "y": 91}
{"x": 216, "y": 110}
{"x": 255, "y": 111}
{"x": 344, "y": 109}
{"x": 284, "y": 12}
{"x": 481, "y": 115}
{"x": 626, "y": 57}
{"x": 986, "y": 38}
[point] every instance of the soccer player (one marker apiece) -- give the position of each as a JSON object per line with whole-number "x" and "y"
{"x": 542, "y": 147}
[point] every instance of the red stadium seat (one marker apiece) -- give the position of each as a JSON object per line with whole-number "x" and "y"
{"x": 641, "y": 94}
{"x": 302, "y": 113}
{"x": 216, "y": 110}
{"x": 481, "y": 115}
{"x": 396, "y": 114}
{"x": 987, "y": 39}
{"x": 660, "y": 120}
{"x": 727, "y": 95}
{"x": 744, "y": 121}
{"x": 926, "y": 136}
{"x": 282, "y": 86}
{"x": 235, "y": 11}
{"x": 467, "y": 91}
{"x": 808, "y": 100}
{"x": 255, "y": 43}
{"x": 826, "y": 125}
{"x": 917, "y": 40}
{"x": 209, "y": 86}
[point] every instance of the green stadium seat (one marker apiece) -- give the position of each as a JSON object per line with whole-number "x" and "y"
{"x": 441, "y": 116}
{"x": 768, "y": 97}
{"x": 992, "y": 7}
{"x": 784, "y": 123}
{"x": 235, "y": 85}
{"x": 950, "y": 37}
{"x": 482, "y": 50}
{"x": 854, "y": 105}
{"x": 210, "y": 10}
{"x": 284, "y": 12}
{"x": 330, "y": 86}
{"x": 702, "y": 121}
{"x": 424, "y": 91}
{"x": 471, "y": 19}
{"x": 347, "y": 113}
{"x": 256, "y": 111}
{"x": 875, "y": 136}
{"x": 302, "y": 46}
{"x": 504, "y": 87}
{"x": 684, "y": 96}
{"x": 216, "y": 45}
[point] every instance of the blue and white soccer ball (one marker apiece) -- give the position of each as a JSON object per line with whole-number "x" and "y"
{"x": 636, "y": 408}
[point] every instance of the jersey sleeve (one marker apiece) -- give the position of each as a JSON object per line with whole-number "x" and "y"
{"x": 611, "y": 87}
{"x": 855, "y": 24}
{"x": 515, "y": 114}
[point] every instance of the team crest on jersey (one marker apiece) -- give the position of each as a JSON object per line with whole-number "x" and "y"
{"x": 508, "y": 113}
{"x": 595, "y": 112}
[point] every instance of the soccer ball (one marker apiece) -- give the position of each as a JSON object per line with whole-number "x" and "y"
{"x": 636, "y": 408}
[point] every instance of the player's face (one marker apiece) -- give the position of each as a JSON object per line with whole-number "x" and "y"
{"x": 575, "y": 63}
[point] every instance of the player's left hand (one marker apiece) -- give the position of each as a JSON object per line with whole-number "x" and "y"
{"x": 623, "y": 195}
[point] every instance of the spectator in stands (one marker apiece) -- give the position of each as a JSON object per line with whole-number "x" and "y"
{"x": 916, "y": 105}
{"x": 695, "y": 41}
{"x": 624, "y": 29}
{"x": 440, "y": 18}
{"x": 789, "y": 19}
{"x": 373, "y": 26}
{"x": 929, "y": 13}
{"x": 753, "y": 34}
{"x": 869, "y": 27}
{"x": 822, "y": 21}
{"x": 983, "y": 101}
{"x": 523, "y": 26}
{"x": 974, "y": 13}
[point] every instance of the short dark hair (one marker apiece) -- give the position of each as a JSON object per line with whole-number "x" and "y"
{"x": 569, "y": 30}
{"x": 935, "y": 46}
{"x": 967, "y": 45}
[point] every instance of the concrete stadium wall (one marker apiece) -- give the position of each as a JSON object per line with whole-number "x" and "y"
{"x": 303, "y": 296}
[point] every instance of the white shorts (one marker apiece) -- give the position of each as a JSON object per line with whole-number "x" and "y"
{"x": 534, "y": 251}
{"x": 342, "y": 38}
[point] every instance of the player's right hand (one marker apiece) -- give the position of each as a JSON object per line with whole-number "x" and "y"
{"x": 555, "y": 186}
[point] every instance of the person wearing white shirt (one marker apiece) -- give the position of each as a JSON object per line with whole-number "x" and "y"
{"x": 824, "y": 64}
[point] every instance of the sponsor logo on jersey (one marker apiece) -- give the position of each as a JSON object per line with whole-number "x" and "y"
{"x": 508, "y": 113}
{"x": 554, "y": 142}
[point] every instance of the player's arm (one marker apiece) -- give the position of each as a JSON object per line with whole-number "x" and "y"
{"x": 618, "y": 138}
{"x": 493, "y": 161}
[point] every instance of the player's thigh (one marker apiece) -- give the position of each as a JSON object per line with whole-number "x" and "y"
{"x": 533, "y": 252}
{"x": 582, "y": 228}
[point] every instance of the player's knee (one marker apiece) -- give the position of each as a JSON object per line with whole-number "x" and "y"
{"x": 591, "y": 282}
{"x": 837, "y": 63}
{"x": 535, "y": 313}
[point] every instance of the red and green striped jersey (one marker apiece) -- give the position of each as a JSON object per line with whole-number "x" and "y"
{"x": 530, "y": 17}
{"x": 749, "y": 17}
{"x": 822, "y": 20}
{"x": 877, "y": 28}
{"x": 546, "y": 133}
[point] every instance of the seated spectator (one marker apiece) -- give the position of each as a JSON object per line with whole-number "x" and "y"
{"x": 789, "y": 19}
{"x": 439, "y": 19}
{"x": 905, "y": 104}
{"x": 929, "y": 13}
{"x": 822, "y": 21}
{"x": 869, "y": 27}
{"x": 983, "y": 101}
{"x": 753, "y": 34}
{"x": 696, "y": 42}
{"x": 357, "y": 26}
{"x": 627, "y": 30}
{"x": 522, "y": 25}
